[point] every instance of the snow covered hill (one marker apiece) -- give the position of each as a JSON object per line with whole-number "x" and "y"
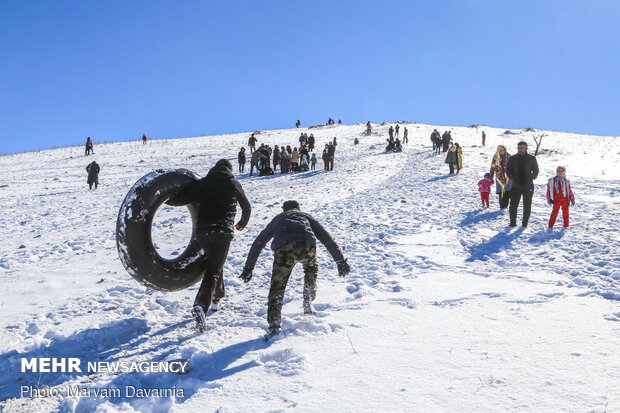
{"x": 445, "y": 309}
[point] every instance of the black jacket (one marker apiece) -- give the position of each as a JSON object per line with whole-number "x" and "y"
{"x": 93, "y": 172}
{"x": 217, "y": 195}
{"x": 241, "y": 157}
{"x": 522, "y": 170}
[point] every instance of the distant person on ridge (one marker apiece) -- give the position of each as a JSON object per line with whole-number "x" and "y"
{"x": 298, "y": 124}
{"x": 484, "y": 138}
{"x": 522, "y": 169}
{"x": 144, "y": 139}
{"x": 89, "y": 147}
{"x": 93, "y": 175}
{"x": 294, "y": 236}
{"x": 217, "y": 195}
{"x": 368, "y": 128}
{"x": 405, "y": 135}
{"x": 396, "y": 130}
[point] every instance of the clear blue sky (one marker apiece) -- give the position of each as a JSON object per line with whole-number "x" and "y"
{"x": 113, "y": 70}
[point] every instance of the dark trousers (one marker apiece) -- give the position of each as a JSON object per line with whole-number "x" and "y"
{"x": 515, "y": 198}
{"x": 504, "y": 200}
{"x": 330, "y": 164}
{"x": 215, "y": 245}
{"x": 454, "y": 166}
{"x": 241, "y": 167}
{"x": 252, "y": 166}
{"x": 94, "y": 181}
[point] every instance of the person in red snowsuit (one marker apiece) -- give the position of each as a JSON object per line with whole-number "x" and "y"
{"x": 559, "y": 194}
{"x": 144, "y": 139}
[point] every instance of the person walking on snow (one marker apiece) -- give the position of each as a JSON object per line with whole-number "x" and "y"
{"x": 93, "y": 175}
{"x": 396, "y": 130}
{"x": 484, "y": 138}
{"x": 313, "y": 161}
{"x": 252, "y": 143}
{"x": 559, "y": 194}
{"x": 368, "y": 128}
{"x": 454, "y": 158}
{"x": 311, "y": 143}
{"x": 294, "y": 236}
{"x": 254, "y": 159}
{"x": 522, "y": 168}
{"x": 276, "y": 157}
{"x": 89, "y": 147}
{"x": 503, "y": 184}
{"x": 217, "y": 195}
{"x": 144, "y": 139}
{"x": 241, "y": 160}
{"x": 484, "y": 187}
{"x": 405, "y": 136}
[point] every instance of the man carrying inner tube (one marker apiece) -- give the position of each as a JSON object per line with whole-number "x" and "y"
{"x": 217, "y": 195}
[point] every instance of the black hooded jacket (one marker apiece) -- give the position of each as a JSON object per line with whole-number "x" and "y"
{"x": 217, "y": 195}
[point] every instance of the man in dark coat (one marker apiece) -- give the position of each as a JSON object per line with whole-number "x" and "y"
{"x": 93, "y": 174}
{"x": 217, "y": 194}
{"x": 252, "y": 143}
{"x": 331, "y": 152}
{"x": 445, "y": 141}
{"x": 294, "y": 236}
{"x": 311, "y": 143}
{"x": 522, "y": 169}
{"x": 391, "y": 133}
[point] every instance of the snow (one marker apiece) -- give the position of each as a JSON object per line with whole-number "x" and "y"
{"x": 445, "y": 309}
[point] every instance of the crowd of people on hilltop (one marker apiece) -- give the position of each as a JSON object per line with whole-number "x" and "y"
{"x": 287, "y": 158}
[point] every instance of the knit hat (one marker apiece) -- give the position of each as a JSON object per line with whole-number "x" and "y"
{"x": 560, "y": 167}
{"x": 224, "y": 163}
{"x": 290, "y": 205}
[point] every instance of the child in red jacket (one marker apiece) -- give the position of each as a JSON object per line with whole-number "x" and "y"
{"x": 559, "y": 194}
{"x": 484, "y": 186}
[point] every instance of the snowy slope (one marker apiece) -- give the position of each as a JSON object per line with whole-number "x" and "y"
{"x": 446, "y": 309}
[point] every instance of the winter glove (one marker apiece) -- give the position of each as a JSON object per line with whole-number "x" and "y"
{"x": 343, "y": 268}
{"x": 550, "y": 201}
{"x": 246, "y": 274}
{"x": 572, "y": 202}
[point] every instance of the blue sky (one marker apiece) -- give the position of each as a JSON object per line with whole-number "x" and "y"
{"x": 113, "y": 70}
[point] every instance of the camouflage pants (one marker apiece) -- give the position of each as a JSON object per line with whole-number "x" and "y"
{"x": 284, "y": 259}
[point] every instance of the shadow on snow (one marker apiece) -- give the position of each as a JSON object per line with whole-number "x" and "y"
{"x": 474, "y": 217}
{"x": 493, "y": 245}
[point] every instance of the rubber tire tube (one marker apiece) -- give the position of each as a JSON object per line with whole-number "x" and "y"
{"x": 133, "y": 233}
